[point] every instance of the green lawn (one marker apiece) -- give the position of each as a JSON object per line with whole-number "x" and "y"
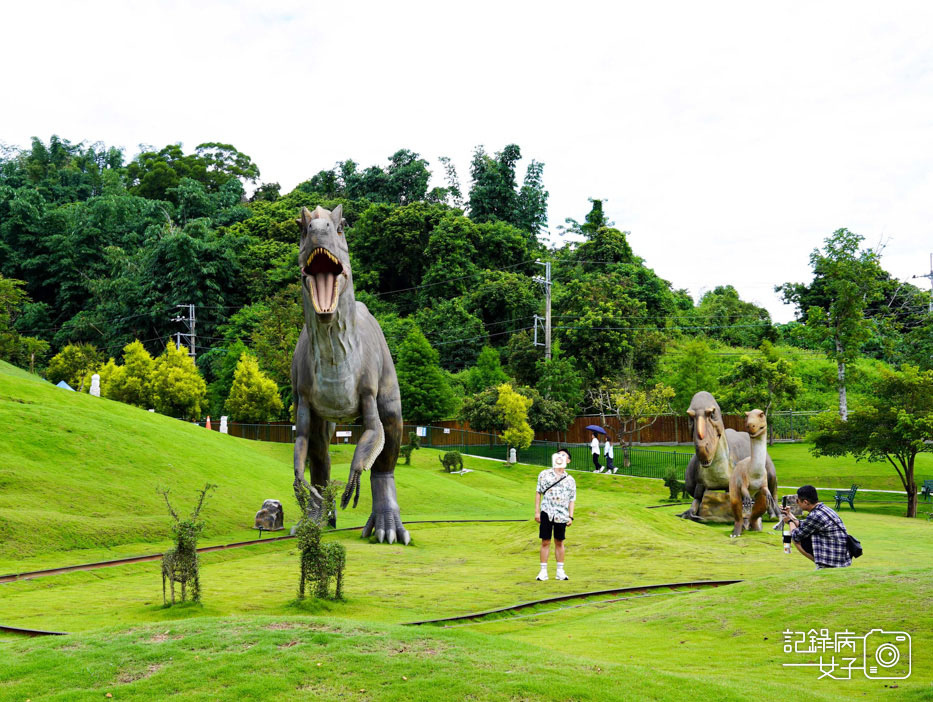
{"x": 250, "y": 639}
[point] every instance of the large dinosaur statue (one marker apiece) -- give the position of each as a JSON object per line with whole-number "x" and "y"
{"x": 748, "y": 486}
{"x": 342, "y": 371}
{"x": 717, "y": 450}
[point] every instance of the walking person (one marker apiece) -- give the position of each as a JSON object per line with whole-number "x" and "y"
{"x": 822, "y": 536}
{"x": 554, "y": 502}
{"x": 607, "y": 452}
{"x": 594, "y": 449}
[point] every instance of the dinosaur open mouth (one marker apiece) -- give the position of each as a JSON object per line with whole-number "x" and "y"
{"x": 322, "y": 272}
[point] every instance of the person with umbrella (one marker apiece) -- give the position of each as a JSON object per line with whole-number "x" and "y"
{"x": 594, "y": 445}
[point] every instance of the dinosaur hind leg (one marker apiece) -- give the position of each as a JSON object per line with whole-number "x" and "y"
{"x": 758, "y": 509}
{"x": 385, "y": 522}
{"x": 735, "y": 502}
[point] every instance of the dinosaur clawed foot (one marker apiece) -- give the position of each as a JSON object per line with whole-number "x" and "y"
{"x": 386, "y": 527}
{"x": 353, "y": 483}
{"x": 773, "y": 508}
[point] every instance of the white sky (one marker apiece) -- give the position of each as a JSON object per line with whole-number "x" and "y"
{"x": 729, "y": 138}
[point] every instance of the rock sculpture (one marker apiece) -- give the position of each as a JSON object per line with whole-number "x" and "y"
{"x": 748, "y": 487}
{"x": 271, "y": 517}
{"x": 717, "y": 451}
{"x": 342, "y": 371}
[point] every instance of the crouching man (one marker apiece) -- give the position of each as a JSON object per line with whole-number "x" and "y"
{"x": 554, "y": 502}
{"x": 821, "y": 537}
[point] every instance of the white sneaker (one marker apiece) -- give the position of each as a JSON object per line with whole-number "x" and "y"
{"x": 561, "y": 576}
{"x": 615, "y": 470}
{"x": 542, "y": 575}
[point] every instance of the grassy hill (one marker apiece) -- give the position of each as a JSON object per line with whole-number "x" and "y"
{"x": 251, "y": 638}
{"x": 79, "y": 472}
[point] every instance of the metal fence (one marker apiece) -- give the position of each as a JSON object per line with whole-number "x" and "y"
{"x": 790, "y": 426}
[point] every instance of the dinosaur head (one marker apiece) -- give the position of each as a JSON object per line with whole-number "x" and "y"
{"x": 324, "y": 259}
{"x": 706, "y": 425}
{"x": 756, "y": 423}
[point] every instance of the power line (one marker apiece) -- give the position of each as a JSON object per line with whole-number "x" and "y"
{"x": 450, "y": 280}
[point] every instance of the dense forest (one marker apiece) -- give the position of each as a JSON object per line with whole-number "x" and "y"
{"x": 100, "y": 257}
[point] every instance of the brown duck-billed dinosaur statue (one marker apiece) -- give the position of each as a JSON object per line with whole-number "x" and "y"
{"x": 748, "y": 487}
{"x": 717, "y": 451}
{"x": 342, "y": 371}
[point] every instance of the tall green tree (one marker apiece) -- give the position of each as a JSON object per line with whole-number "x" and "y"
{"x": 894, "y": 424}
{"x": 177, "y": 388}
{"x": 514, "y": 408}
{"x": 131, "y": 382}
{"x": 495, "y": 196}
{"x": 254, "y": 396}
{"x": 847, "y": 278}
{"x": 426, "y": 394}
{"x": 487, "y": 372}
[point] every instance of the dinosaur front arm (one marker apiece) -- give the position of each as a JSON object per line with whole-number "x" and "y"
{"x": 367, "y": 450}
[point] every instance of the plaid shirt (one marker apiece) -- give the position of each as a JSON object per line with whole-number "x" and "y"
{"x": 829, "y": 537}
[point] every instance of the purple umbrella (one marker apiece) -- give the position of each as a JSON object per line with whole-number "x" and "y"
{"x": 597, "y": 429}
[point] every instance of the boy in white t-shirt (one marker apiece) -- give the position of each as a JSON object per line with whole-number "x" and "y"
{"x": 555, "y": 497}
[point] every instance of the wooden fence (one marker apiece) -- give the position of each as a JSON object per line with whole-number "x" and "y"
{"x": 667, "y": 429}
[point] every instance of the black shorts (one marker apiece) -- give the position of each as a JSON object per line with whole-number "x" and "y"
{"x": 544, "y": 530}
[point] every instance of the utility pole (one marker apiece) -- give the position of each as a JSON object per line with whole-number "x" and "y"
{"x": 930, "y": 276}
{"x": 190, "y": 336}
{"x": 545, "y": 282}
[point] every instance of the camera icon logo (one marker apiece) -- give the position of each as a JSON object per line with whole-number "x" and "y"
{"x": 886, "y": 655}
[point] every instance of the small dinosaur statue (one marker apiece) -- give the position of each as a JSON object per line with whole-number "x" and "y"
{"x": 748, "y": 486}
{"x": 342, "y": 371}
{"x": 717, "y": 450}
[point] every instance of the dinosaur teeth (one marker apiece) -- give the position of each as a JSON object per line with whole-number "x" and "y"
{"x": 323, "y": 251}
